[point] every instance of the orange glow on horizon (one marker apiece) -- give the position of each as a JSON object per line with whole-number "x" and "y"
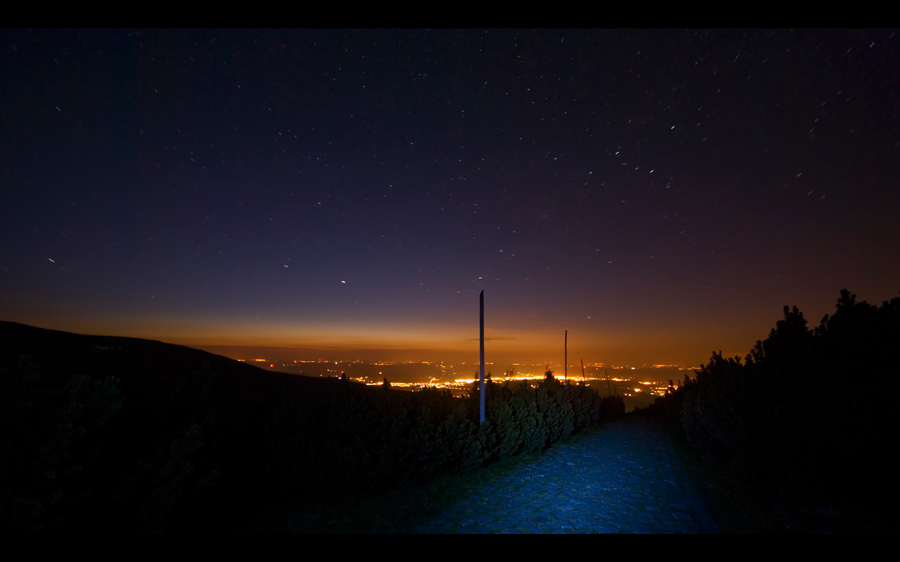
{"x": 599, "y": 347}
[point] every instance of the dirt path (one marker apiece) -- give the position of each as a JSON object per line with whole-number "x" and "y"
{"x": 622, "y": 478}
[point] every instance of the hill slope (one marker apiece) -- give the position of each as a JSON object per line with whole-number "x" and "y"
{"x": 122, "y": 434}
{"x": 125, "y": 433}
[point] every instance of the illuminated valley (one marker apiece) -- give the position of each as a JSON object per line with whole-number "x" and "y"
{"x": 638, "y": 384}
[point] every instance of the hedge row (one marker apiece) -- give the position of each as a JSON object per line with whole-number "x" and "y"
{"x": 809, "y": 414}
{"x": 80, "y": 454}
{"x": 377, "y": 438}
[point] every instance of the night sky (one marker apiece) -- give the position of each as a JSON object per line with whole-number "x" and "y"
{"x": 658, "y": 194}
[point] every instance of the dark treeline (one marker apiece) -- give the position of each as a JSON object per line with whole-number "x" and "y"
{"x": 104, "y": 434}
{"x": 810, "y": 414}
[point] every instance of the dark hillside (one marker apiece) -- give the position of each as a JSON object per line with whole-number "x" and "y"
{"x": 103, "y": 433}
{"x": 143, "y": 365}
{"x": 184, "y": 421}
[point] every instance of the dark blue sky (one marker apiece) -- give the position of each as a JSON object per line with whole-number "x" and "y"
{"x": 659, "y": 194}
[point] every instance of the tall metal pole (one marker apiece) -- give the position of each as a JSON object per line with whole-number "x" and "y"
{"x": 481, "y": 299}
{"x": 582, "y": 370}
{"x": 566, "y": 359}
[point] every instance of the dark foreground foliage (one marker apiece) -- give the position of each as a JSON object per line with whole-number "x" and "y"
{"x": 368, "y": 439}
{"x": 103, "y": 434}
{"x": 810, "y": 415}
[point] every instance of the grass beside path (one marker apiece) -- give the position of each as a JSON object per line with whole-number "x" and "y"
{"x": 401, "y": 510}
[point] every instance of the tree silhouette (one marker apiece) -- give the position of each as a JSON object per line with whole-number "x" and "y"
{"x": 811, "y": 413}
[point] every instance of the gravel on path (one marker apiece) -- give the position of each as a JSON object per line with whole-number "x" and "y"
{"x": 623, "y": 477}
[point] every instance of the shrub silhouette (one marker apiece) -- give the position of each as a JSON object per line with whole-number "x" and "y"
{"x": 809, "y": 413}
{"x": 170, "y": 448}
{"x": 49, "y": 434}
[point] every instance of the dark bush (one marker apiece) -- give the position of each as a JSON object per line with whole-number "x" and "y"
{"x": 810, "y": 413}
{"x": 167, "y": 447}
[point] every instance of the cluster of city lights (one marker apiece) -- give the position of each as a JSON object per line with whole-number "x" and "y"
{"x": 532, "y": 374}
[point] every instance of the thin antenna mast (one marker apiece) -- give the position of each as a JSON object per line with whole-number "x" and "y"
{"x": 481, "y": 302}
